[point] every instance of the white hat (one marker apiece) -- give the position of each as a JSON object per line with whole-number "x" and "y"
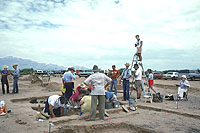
{"x": 184, "y": 76}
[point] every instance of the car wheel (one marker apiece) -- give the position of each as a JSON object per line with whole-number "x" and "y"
{"x": 192, "y": 78}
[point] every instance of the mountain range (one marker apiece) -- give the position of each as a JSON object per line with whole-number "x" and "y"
{"x": 26, "y": 63}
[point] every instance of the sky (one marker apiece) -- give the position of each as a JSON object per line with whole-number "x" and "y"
{"x": 102, "y": 32}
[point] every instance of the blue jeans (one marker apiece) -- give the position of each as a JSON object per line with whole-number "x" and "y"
{"x": 15, "y": 85}
{"x": 125, "y": 89}
{"x": 114, "y": 82}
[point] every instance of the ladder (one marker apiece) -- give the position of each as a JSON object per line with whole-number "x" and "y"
{"x": 145, "y": 84}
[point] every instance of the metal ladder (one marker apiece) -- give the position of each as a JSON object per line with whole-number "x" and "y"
{"x": 144, "y": 85}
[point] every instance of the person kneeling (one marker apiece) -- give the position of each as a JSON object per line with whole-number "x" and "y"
{"x": 110, "y": 96}
{"x": 54, "y": 106}
{"x": 74, "y": 100}
{"x": 183, "y": 86}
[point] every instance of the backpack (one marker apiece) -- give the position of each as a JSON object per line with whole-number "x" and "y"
{"x": 157, "y": 97}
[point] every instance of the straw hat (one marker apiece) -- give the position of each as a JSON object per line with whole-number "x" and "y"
{"x": 5, "y": 67}
{"x": 15, "y": 65}
{"x": 127, "y": 64}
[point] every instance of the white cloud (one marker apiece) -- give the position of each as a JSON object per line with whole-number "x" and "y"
{"x": 99, "y": 32}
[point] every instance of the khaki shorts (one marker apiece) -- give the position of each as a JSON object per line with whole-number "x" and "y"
{"x": 138, "y": 84}
{"x": 139, "y": 50}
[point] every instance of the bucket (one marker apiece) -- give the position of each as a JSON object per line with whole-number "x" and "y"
{"x": 131, "y": 102}
{"x": 116, "y": 104}
{"x": 108, "y": 105}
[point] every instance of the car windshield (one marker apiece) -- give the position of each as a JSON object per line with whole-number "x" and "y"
{"x": 169, "y": 73}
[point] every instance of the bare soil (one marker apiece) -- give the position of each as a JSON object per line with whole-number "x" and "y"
{"x": 156, "y": 117}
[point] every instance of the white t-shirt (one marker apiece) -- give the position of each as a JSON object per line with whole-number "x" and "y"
{"x": 98, "y": 80}
{"x": 55, "y": 102}
{"x": 139, "y": 75}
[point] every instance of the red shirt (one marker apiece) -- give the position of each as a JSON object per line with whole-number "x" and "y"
{"x": 75, "y": 96}
{"x": 114, "y": 74}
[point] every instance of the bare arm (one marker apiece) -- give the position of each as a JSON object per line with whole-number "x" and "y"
{"x": 62, "y": 111}
{"x": 51, "y": 111}
{"x": 107, "y": 84}
{"x": 72, "y": 101}
{"x": 63, "y": 81}
{"x": 141, "y": 43}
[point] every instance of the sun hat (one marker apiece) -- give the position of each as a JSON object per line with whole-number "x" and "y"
{"x": 184, "y": 76}
{"x": 5, "y": 66}
{"x": 15, "y": 65}
{"x": 127, "y": 64}
{"x": 95, "y": 68}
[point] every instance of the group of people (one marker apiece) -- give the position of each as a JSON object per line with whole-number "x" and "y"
{"x": 4, "y": 79}
{"x": 92, "y": 94}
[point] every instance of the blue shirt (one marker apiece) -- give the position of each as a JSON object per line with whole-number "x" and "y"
{"x": 126, "y": 73}
{"x": 68, "y": 76}
{"x": 16, "y": 73}
{"x": 4, "y": 72}
{"x": 109, "y": 95}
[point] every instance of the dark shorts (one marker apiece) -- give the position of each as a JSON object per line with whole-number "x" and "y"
{"x": 138, "y": 84}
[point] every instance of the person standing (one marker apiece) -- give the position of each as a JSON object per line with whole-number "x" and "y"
{"x": 150, "y": 80}
{"x": 67, "y": 83}
{"x": 138, "y": 80}
{"x": 114, "y": 74}
{"x": 4, "y": 79}
{"x": 138, "y": 45}
{"x": 99, "y": 82}
{"x": 15, "y": 79}
{"x": 125, "y": 76}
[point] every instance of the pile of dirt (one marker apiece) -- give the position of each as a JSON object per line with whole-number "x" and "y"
{"x": 53, "y": 86}
{"x": 26, "y": 77}
{"x": 109, "y": 128}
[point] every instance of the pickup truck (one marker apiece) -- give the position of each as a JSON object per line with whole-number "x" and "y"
{"x": 171, "y": 75}
{"x": 190, "y": 74}
{"x": 85, "y": 73}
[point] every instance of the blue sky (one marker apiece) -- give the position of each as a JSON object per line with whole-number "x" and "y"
{"x": 88, "y": 32}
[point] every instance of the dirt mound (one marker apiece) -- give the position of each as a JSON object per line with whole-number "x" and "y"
{"x": 110, "y": 128}
{"x": 53, "y": 86}
{"x": 26, "y": 77}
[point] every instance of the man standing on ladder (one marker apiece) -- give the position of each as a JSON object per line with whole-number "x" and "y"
{"x": 138, "y": 45}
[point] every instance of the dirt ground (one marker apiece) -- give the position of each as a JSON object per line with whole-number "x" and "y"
{"x": 162, "y": 117}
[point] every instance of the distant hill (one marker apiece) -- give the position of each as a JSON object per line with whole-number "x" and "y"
{"x": 25, "y": 63}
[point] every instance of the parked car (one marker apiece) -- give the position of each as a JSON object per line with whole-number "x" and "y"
{"x": 157, "y": 75}
{"x": 85, "y": 73}
{"x": 190, "y": 74}
{"x": 171, "y": 75}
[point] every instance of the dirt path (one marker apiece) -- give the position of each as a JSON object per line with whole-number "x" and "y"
{"x": 153, "y": 117}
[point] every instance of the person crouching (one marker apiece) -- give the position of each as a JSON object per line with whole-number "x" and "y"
{"x": 54, "y": 106}
{"x": 74, "y": 100}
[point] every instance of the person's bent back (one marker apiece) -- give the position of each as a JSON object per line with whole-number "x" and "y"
{"x": 55, "y": 106}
